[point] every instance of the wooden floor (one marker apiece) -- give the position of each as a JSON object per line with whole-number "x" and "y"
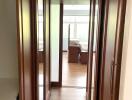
{"x": 74, "y": 74}
{"x": 68, "y": 94}
{"x": 73, "y": 81}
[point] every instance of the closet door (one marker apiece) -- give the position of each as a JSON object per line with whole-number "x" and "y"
{"x": 112, "y": 45}
{"x": 109, "y": 42}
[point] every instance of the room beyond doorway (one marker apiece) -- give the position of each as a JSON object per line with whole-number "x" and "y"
{"x": 75, "y": 45}
{"x": 74, "y": 74}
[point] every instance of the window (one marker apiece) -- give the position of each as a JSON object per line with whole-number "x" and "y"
{"x": 78, "y": 27}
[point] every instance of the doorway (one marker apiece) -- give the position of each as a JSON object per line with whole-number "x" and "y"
{"x": 75, "y": 45}
{"x": 27, "y": 54}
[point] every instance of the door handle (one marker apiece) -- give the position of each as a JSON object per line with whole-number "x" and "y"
{"x": 111, "y": 76}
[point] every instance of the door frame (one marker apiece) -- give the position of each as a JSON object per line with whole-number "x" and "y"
{"x": 25, "y": 71}
{"x": 61, "y": 42}
{"x": 118, "y": 48}
{"x": 29, "y": 71}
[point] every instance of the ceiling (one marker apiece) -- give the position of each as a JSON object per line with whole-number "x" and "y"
{"x": 77, "y": 2}
{"x": 72, "y": 2}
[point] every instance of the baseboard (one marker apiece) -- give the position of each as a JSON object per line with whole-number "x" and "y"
{"x": 48, "y": 96}
{"x": 65, "y": 51}
{"x": 55, "y": 84}
{"x": 86, "y": 95}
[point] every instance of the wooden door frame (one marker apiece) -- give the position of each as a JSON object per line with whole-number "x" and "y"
{"x": 104, "y": 23}
{"x": 118, "y": 47}
{"x": 32, "y": 69}
{"x": 98, "y": 49}
{"x": 61, "y": 43}
{"x": 32, "y": 73}
{"x": 97, "y": 54}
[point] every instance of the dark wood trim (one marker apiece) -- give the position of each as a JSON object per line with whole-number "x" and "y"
{"x": 26, "y": 86}
{"x": 34, "y": 69}
{"x": 50, "y": 44}
{"x": 97, "y": 59}
{"x": 87, "y": 84}
{"x": 45, "y": 96}
{"x": 55, "y": 84}
{"x": 61, "y": 44}
{"x": 103, "y": 50}
{"x": 100, "y": 45}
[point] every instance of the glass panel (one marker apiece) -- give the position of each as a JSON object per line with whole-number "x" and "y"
{"x": 40, "y": 50}
{"x": 68, "y": 19}
{"x": 83, "y": 19}
{"x": 65, "y": 36}
{"x": 72, "y": 31}
{"x": 54, "y": 35}
{"x": 76, "y": 7}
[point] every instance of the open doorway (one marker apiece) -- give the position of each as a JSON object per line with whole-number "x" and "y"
{"x": 26, "y": 62}
{"x": 75, "y": 45}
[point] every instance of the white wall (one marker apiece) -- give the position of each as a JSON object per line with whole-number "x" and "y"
{"x": 8, "y": 40}
{"x": 55, "y": 13}
{"x": 8, "y": 50}
{"x": 126, "y": 72}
